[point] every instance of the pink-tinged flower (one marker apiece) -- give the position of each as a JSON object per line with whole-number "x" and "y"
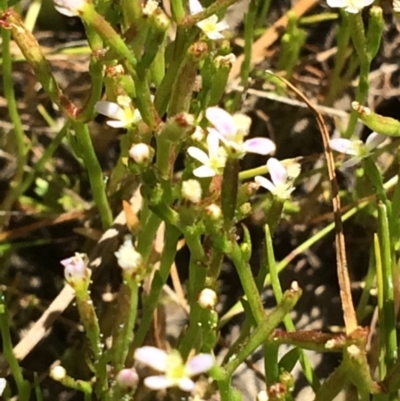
{"x": 356, "y": 148}
{"x": 70, "y": 8}
{"x": 232, "y": 131}
{"x": 350, "y": 6}
{"x": 282, "y": 178}
{"x": 122, "y": 113}
{"x": 127, "y": 378}
{"x": 75, "y": 269}
{"x": 210, "y": 26}
{"x": 176, "y": 373}
{"x": 213, "y": 162}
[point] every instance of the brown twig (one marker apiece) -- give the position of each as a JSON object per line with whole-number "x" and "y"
{"x": 260, "y": 47}
{"x": 349, "y": 313}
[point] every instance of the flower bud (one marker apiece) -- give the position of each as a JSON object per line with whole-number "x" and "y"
{"x": 191, "y": 191}
{"x": 70, "y": 8}
{"x": 58, "y": 373}
{"x": 129, "y": 260}
{"x": 75, "y": 270}
{"x": 214, "y": 211}
{"x": 207, "y": 298}
{"x": 127, "y": 378}
{"x": 177, "y": 127}
{"x": 140, "y": 153}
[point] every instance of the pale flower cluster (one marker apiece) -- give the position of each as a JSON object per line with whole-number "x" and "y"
{"x": 230, "y": 131}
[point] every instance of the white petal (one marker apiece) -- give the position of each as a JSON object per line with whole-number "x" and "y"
{"x": 337, "y": 3}
{"x": 214, "y": 35}
{"x": 195, "y": 7}
{"x": 213, "y": 145}
{"x": 374, "y": 140}
{"x": 199, "y": 364}
{"x": 158, "y": 382}
{"x": 117, "y": 123}
{"x": 343, "y": 146}
{"x": 203, "y": 172}
{"x": 260, "y": 146}
{"x": 222, "y": 26}
{"x": 185, "y": 384}
{"x": 199, "y": 155}
{"x": 265, "y": 183}
{"x": 153, "y": 357}
{"x": 222, "y": 121}
{"x": 351, "y": 162}
{"x": 110, "y": 109}
{"x": 66, "y": 11}
{"x": 277, "y": 171}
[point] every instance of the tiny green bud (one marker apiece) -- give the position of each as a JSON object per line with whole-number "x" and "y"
{"x": 380, "y": 124}
{"x": 177, "y": 127}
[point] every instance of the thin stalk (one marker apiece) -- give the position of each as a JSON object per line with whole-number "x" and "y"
{"x": 22, "y": 149}
{"x": 125, "y": 321}
{"x": 390, "y": 338}
{"x": 96, "y": 177}
{"x": 23, "y": 386}
{"x": 290, "y": 327}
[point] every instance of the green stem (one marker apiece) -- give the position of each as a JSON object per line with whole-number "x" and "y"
{"x": 389, "y": 321}
{"x": 264, "y": 329}
{"x": 23, "y": 386}
{"x": 125, "y": 321}
{"x": 290, "y": 327}
{"x": 160, "y": 278}
{"x": 359, "y": 41}
{"x": 9, "y": 94}
{"x": 95, "y": 173}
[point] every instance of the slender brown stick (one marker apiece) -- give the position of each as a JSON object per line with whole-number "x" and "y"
{"x": 349, "y": 313}
{"x": 272, "y": 34}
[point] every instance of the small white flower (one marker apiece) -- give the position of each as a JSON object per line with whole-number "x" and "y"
{"x": 122, "y": 112}
{"x": 210, "y": 26}
{"x": 282, "y": 178}
{"x": 351, "y": 6}
{"x": 213, "y": 162}
{"x": 69, "y": 8}
{"x": 356, "y": 148}
{"x": 232, "y": 130}
{"x": 176, "y": 373}
{"x": 128, "y": 258}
